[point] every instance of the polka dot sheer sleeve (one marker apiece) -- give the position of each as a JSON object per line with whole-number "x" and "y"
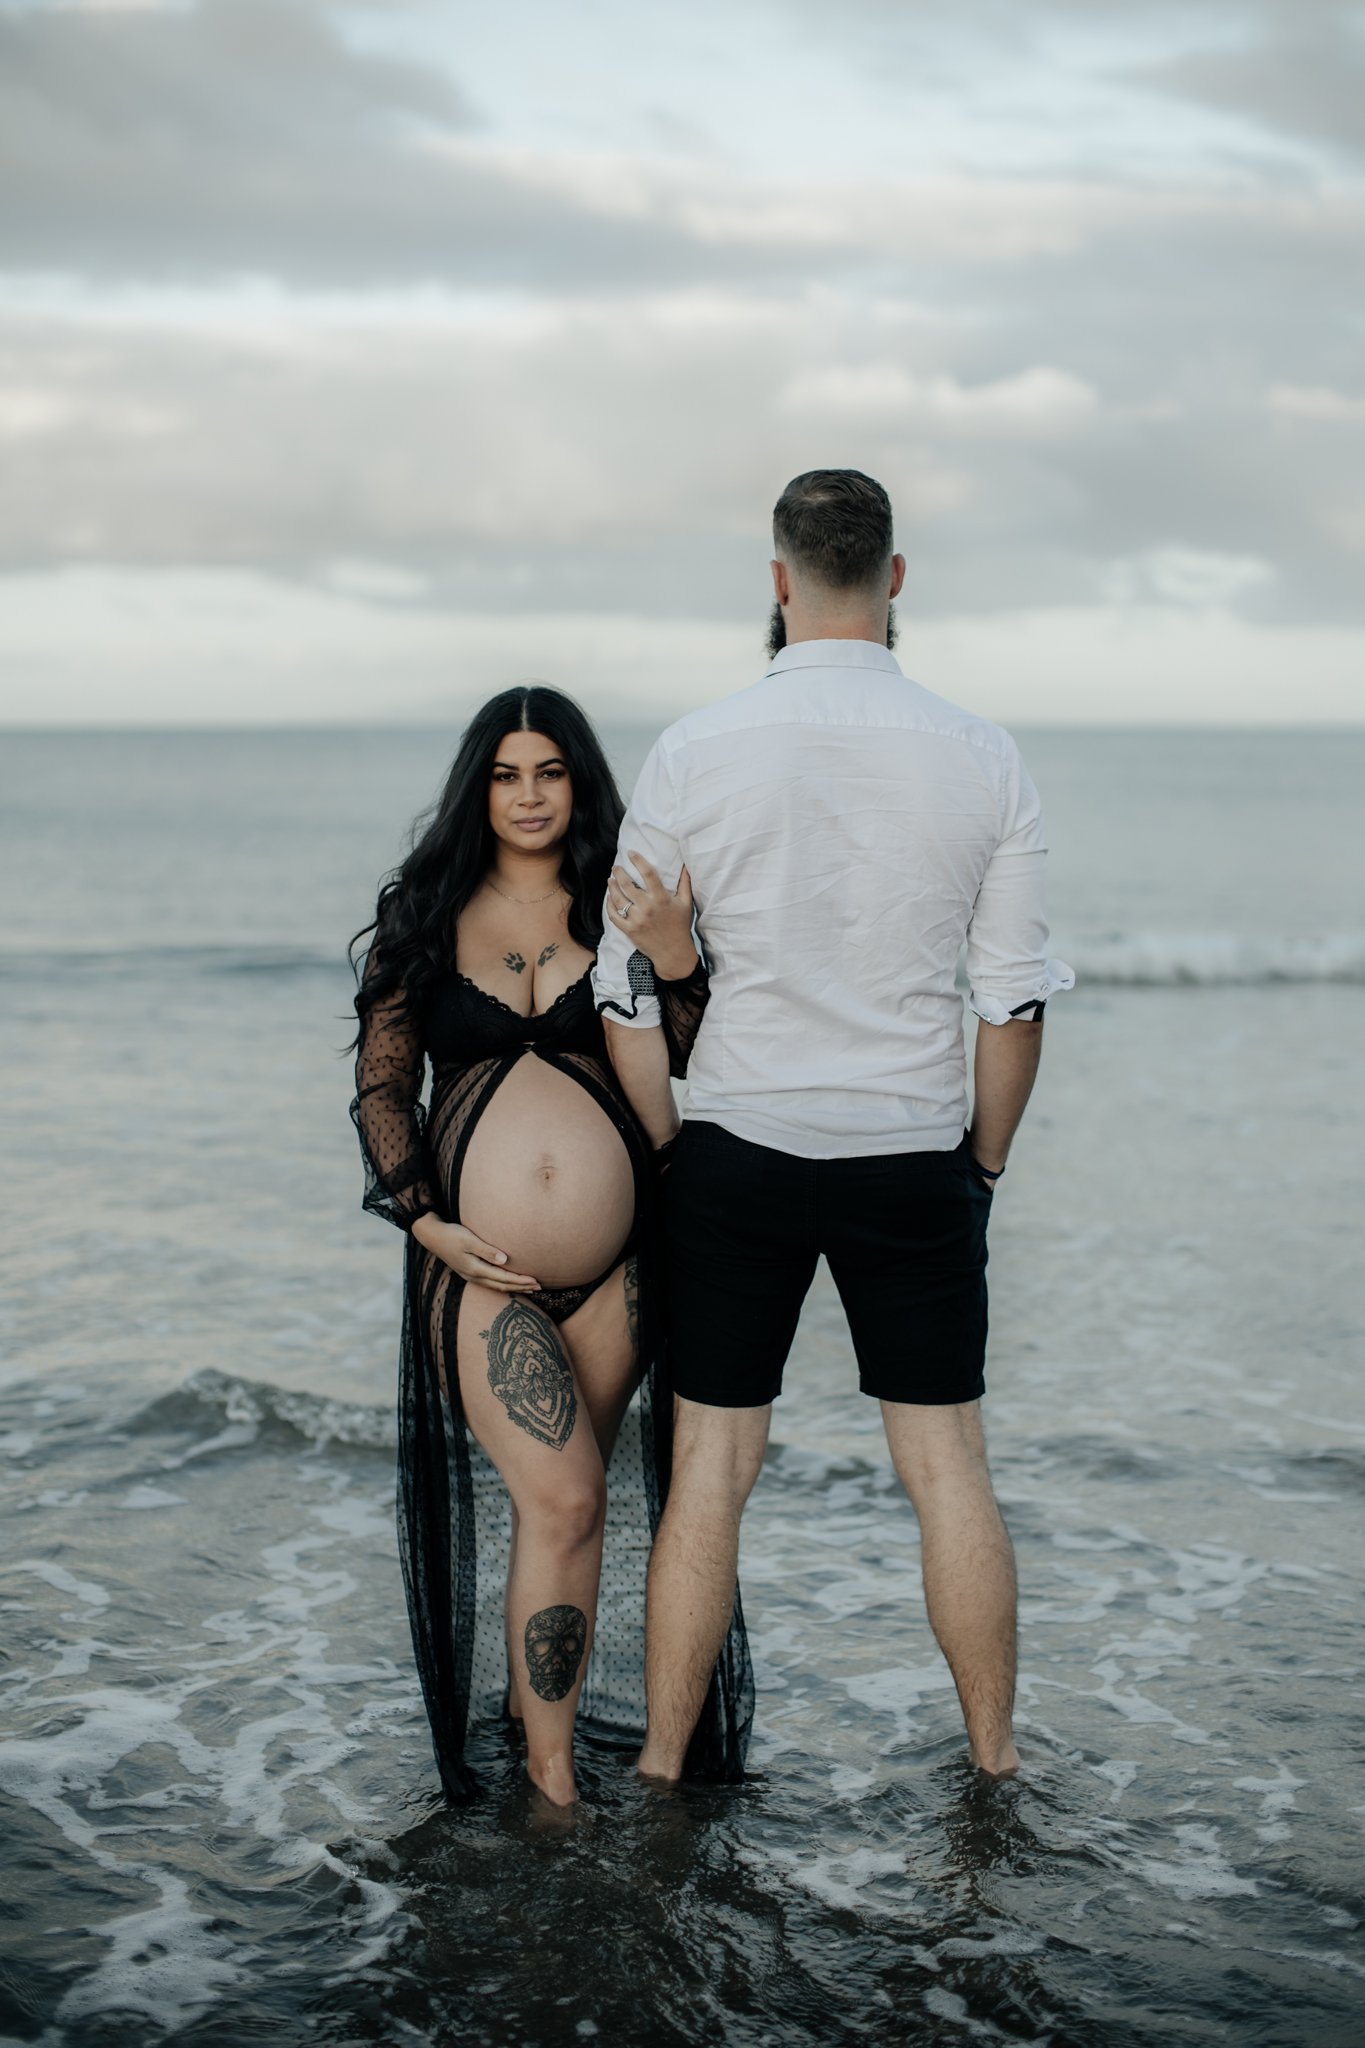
{"x": 387, "y": 1110}
{"x": 681, "y": 1007}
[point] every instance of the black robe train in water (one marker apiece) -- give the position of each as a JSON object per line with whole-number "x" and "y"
{"x": 454, "y": 1523}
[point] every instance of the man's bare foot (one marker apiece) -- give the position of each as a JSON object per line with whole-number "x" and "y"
{"x": 659, "y": 1769}
{"x": 1000, "y": 1762}
{"x": 553, "y": 1776}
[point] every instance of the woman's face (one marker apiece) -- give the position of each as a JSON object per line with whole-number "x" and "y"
{"x": 530, "y": 795}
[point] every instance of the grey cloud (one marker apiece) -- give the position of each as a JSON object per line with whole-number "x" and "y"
{"x": 617, "y": 446}
{"x": 246, "y": 73}
{"x": 247, "y": 137}
{"x": 1305, "y": 79}
{"x": 1295, "y": 68}
{"x": 1234, "y": 482}
{"x": 615, "y": 462}
{"x": 1203, "y": 299}
{"x": 1093, "y": 517}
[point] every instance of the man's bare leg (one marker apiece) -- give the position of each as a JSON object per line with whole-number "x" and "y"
{"x": 968, "y": 1559}
{"x": 717, "y": 1453}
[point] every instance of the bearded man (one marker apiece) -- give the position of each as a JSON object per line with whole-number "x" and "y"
{"x": 845, "y": 832}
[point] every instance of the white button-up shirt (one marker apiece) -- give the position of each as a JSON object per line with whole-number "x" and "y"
{"x": 845, "y": 831}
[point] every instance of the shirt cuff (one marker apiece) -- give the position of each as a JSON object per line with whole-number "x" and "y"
{"x": 637, "y": 1003}
{"x": 1055, "y": 978}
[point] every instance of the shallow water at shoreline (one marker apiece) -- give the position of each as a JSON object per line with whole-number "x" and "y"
{"x": 220, "y": 1805}
{"x": 223, "y": 1805}
{"x": 221, "y": 1794}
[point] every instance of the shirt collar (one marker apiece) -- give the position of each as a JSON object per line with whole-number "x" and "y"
{"x": 835, "y": 654}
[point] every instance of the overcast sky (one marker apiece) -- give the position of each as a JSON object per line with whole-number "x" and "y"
{"x": 356, "y": 360}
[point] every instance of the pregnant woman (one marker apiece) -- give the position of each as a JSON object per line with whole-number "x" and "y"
{"x": 527, "y": 1191}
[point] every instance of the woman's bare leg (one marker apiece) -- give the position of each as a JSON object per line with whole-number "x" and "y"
{"x": 525, "y": 1408}
{"x": 602, "y": 1339}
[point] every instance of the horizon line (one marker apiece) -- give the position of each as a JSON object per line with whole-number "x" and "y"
{"x": 71, "y": 728}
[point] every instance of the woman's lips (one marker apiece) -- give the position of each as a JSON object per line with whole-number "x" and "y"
{"x": 531, "y": 824}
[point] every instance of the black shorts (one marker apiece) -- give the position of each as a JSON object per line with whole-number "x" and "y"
{"x": 905, "y": 1237}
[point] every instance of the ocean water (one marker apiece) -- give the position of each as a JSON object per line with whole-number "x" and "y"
{"x": 220, "y": 1812}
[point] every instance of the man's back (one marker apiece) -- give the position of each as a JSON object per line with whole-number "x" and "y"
{"x": 844, "y": 830}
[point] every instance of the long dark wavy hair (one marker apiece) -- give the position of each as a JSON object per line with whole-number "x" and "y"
{"x": 453, "y": 846}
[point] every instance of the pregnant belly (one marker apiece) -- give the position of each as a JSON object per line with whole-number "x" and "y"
{"x": 546, "y": 1178}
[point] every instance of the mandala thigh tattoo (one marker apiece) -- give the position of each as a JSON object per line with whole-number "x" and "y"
{"x": 555, "y": 1641}
{"x": 530, "y": 1375}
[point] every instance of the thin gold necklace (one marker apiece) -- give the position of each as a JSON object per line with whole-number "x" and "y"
{"x": 525, "y": 901}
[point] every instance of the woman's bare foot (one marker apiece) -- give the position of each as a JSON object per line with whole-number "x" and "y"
{"x": 553, "y": 1775}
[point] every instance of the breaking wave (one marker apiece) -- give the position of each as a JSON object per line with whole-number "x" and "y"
{"x": 1113, "y": 960}
{"x": 238, "y": 1411}
{"x": 1215, "y": 960}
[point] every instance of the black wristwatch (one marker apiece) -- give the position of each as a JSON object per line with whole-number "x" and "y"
{"x": 985, "y": 1171}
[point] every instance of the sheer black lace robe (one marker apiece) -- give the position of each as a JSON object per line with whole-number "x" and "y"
{"x": 453, "y": 1509}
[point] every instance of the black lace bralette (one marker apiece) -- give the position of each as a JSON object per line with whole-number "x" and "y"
{"x": 464, "y": 1023}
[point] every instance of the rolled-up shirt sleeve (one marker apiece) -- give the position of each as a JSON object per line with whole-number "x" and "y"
{"x": 622, "y": 978}
{"x": 1008, "y": 969}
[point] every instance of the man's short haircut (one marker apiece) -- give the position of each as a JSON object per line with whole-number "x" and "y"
{"x": 835, "y": 525}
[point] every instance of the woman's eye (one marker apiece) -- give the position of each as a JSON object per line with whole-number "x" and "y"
{"x": 554, "y": 774}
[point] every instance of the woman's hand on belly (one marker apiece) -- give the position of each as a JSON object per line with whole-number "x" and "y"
{"x": 469, "y": 1256}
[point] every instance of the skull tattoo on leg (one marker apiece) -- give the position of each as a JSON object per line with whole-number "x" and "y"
{"x": 555, "y": 1641}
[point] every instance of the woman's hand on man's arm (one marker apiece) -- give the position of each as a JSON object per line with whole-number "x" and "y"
{"x": 656, "y": 919}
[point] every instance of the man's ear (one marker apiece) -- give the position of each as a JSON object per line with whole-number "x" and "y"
{"x": 782, "y": 588}
{"x": 897, "y": 575}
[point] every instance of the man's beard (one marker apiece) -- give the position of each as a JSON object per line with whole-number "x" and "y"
{"x": 777, "y": 630}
